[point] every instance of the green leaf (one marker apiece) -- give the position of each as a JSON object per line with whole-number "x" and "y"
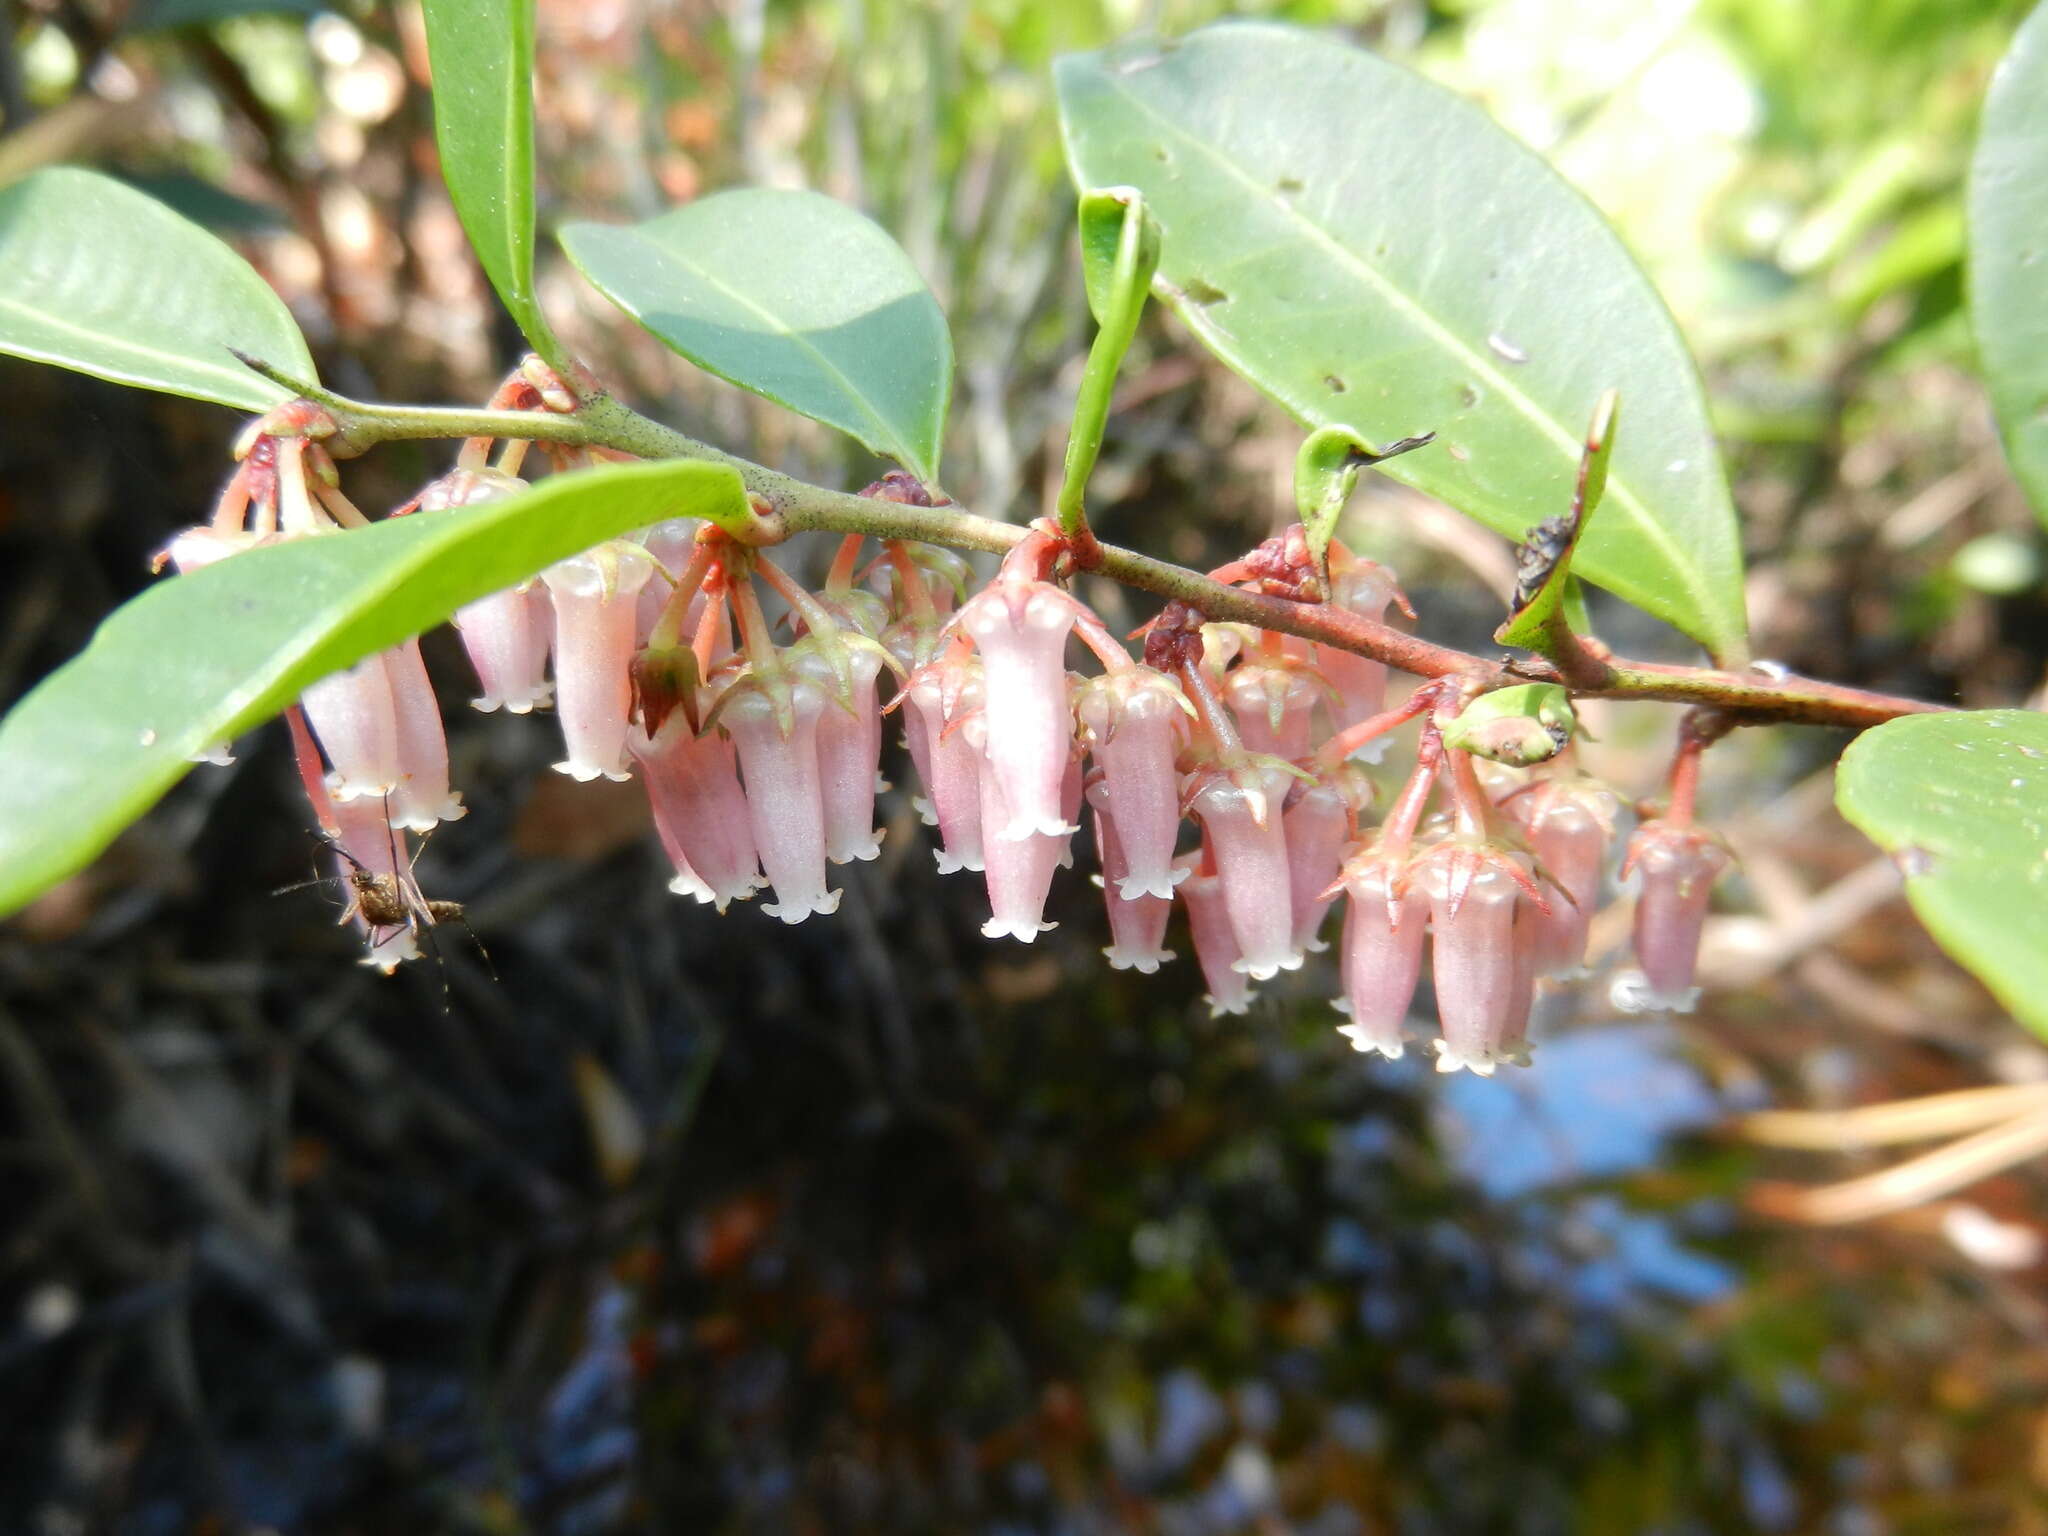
{"x": 101, "y": 278}
{"x": 1543, "y": 565}
{"x": 1960, "y": 802}
{"x": 2008, "y": 282}
{"x": 1370, "y": 250}
{"x": 1119, "y": 254}
{"x": 795, "y": 297}
{"x": 482, "y": 57}
{"x": 200, "y": 658}
{"x": 1325, "y": 473}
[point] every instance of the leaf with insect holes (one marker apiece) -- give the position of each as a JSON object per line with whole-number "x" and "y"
{"x": 1543, "y": 565}
{"x": 2008, "y": 286}
{"x": 1370, "y": 250}
{"x": 482, "y": 57}
{"x": 98, "y": 277}
{"x": 1960, "y": 802}
{"x": 795, "y": 297}
{"x": 1119, "y": 253}
{"x": 199, "y": 658}
{"x": 1326, "y": 472}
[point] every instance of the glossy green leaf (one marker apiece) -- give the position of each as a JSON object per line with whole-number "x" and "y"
{"x": 1960, "y": 802}
{"x": 482, "y": 56}
{"x": 1543, "y": 561}
{"x": 1119, "y": 254}
{"x": 200, "y": 658}
{"x": 1370, "y": 250}
{"x": 2009, "y": 253}
{"x": 99, "y": 277}
{"x": 795, "y": 297}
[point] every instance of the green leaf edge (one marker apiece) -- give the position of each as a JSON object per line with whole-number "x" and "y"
{"x": 921, "y": 459}
{"x": 1925, "y": 893}
{"x": 1727, "y": 642}
{"x": 577, "y": 510}
{"x": 243, "y": 390}
{"x": 511, "y": 269}
{"x": 1528, "y": 626}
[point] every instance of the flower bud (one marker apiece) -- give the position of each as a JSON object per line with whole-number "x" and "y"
{"x": 1137, "y": 925}
{"x": 1520, "y": 726}
{"x": 665, "y": 680}
{"x": 1020, "y": 630}
{"x": 595, "y": 598}
{"x": 1135, "y": 720}
{"x": 1243, "y": 828}
{"x": 1385, "y": 917}
{"x": 777, "y": 740}
{"x": 1678, "y": 867}
{"x": 700, "y": 812}
{"x": 1215, "y": 941}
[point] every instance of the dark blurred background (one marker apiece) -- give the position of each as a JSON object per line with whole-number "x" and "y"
{"x": 680, "y": 1223}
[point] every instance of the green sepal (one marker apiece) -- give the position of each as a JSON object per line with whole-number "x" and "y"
{"x": 1325, "y": 473}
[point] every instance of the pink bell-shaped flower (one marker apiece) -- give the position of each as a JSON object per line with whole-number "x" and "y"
{"x": 1135, "y": 719}
{"x": 1473, "y": 889}
{"x": 596, "y": 596}
{"x": 1677, "y": 866}
{"x": 774, "y": 725}
{"x": 1137, "y": 924}
{"x": 1568, "y": 824}
{"x": 353, "y": 715}
{"x": 1215, "y": 940}
{"x": 938, "y": 702}
{"x": 1385, "y": 917}
{"x": 1020, "y": 628}
{"x": 421, "y": 799}
{"x": 849, "y": 746}
{"x": 1242, "y": 825}
{"x": 1317, "y": 828}
{"x": 700, "y": 811}
{"x": 1366, "y": 589}
{"x": 507, "y": 636}
{"x": 1274, "y": 705}
{"x": 1018, "y": 871}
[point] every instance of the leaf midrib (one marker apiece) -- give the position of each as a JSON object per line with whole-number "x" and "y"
{"x": 1565, "y": 439}
{"x": 134, "y": 348}
{"x": 780, "y": 327}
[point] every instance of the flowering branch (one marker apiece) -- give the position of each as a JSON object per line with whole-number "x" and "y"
{"x": 600, "y": 421}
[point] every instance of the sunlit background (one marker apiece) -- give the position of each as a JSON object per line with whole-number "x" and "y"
{"x": 690, "y": 1224}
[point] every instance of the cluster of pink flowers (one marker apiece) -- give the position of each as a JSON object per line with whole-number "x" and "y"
{"x": 761, "y": 750}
